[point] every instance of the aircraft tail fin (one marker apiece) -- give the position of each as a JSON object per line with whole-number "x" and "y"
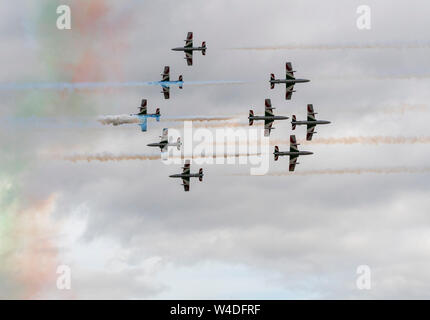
{"x": 201, "y": 174}
{"x": 292, "y": 122}
{"x": 272, "y": 77}
{"x": 179, "y": 143}
{"x": 181, "y": 79}
{"x": 204, "y": 48}
{"x": 251, "y": 114}
{"x": 276, "y": 153}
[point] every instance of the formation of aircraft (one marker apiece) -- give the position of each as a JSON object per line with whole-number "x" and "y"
{"x": 294, "y": 152}
{"x": 164, "y": 142}
{"x": 311, "y": 122}
{"x": 144, "y": 115}
{"x": 166, "y": 83}
{"x": 268, "y": 117}
{"x": 289, "y": 80}
{"x": 188, "y": 48}
{"x": 186, "y": 175}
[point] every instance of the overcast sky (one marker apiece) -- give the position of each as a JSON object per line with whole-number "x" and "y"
{"x": 127, "y": 231}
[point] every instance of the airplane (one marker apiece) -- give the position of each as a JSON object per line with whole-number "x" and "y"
{"x": 268, "y": 117}
{"x": 186, "y": 175}
{"x": 164, "y": 143}
{"x": 165, "y": 82}
{"x": 143, "y": 115}
{"x": 188, "y": 48}
{"x": 294, "y": 152}
{"x": 289, "y": 80}
{"x": 310, "y": 123}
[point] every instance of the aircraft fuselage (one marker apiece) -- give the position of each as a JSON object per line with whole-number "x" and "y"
{"x": 268, "y": 118}
{"x": 189, "y": 175}
{"x": 293, "y": 153}
{"x": 158, "y": 144}
{"x": 310, "y": 122}
{"x": 189, "y": 49}
{"x": 163, "y": 144}
{"x": 289, "y": 81}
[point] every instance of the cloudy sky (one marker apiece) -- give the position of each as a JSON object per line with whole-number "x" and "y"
{"x": 127, "y": 231}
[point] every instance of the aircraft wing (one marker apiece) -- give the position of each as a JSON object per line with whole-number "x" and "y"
{"x": 293, "y": 162}
{"x": 289, "y": 92}
{"x": 289, "y": 72}
{"x": 310, "y": 131}
{"x": 164, "y": 135}
{"x": 267, "y": 127}
{"x": 143, "y": 124}
{"x": 268, "y": 108}
{"x": 189, "y": 40}
{"x": 311, "y": 113}
{"x": 166, "y": 92}
{"x": 165, "y": 76}
{"x": 186, "y": 183}
{"x": 189, "y": 57}
{"x": 164, "y": 148}
{"x": 186, "y": 167}
{"x": 143, "y": 108}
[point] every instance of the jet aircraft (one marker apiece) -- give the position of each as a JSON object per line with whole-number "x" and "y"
{"x": 186, "y": 175}
{"x": 294, "y": 153}
{"x": 289, "y": 80}
{"x": 268, "y": 117}
{"x": 164, "y": 142}
{"x": 311, "y": 122}
{"x": 166, "y": 83}
{"x": 143, "y": 114}
{"x": 188, "y": 48}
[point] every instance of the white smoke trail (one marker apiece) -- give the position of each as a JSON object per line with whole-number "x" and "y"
{"x": 118, "y": 119}
{"x": 127, "y": 119}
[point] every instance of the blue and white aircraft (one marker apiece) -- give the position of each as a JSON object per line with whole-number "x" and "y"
{"x": 143, "y": 115}
{"x": 166, "y": 83}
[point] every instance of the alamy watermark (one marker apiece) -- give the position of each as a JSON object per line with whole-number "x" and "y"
{"x": 364, "y": 20}
{"x": 364, "y": 280}
{"x": 64, "y": 20}
{"x": 64, "y": 278}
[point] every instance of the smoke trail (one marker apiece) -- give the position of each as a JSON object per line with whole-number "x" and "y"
{"x": 415, "y": 45}
{"x": 71, "y": 86}
{"x": 226, "y": 124}
{"x": 374, "y": 140}
{"x": 394, "y": 170}
{"x": 118, "y": 119}
{"x": 198, "y": 118}
{"x": 126, "y": 119}
{"x": 105, "y": 156}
